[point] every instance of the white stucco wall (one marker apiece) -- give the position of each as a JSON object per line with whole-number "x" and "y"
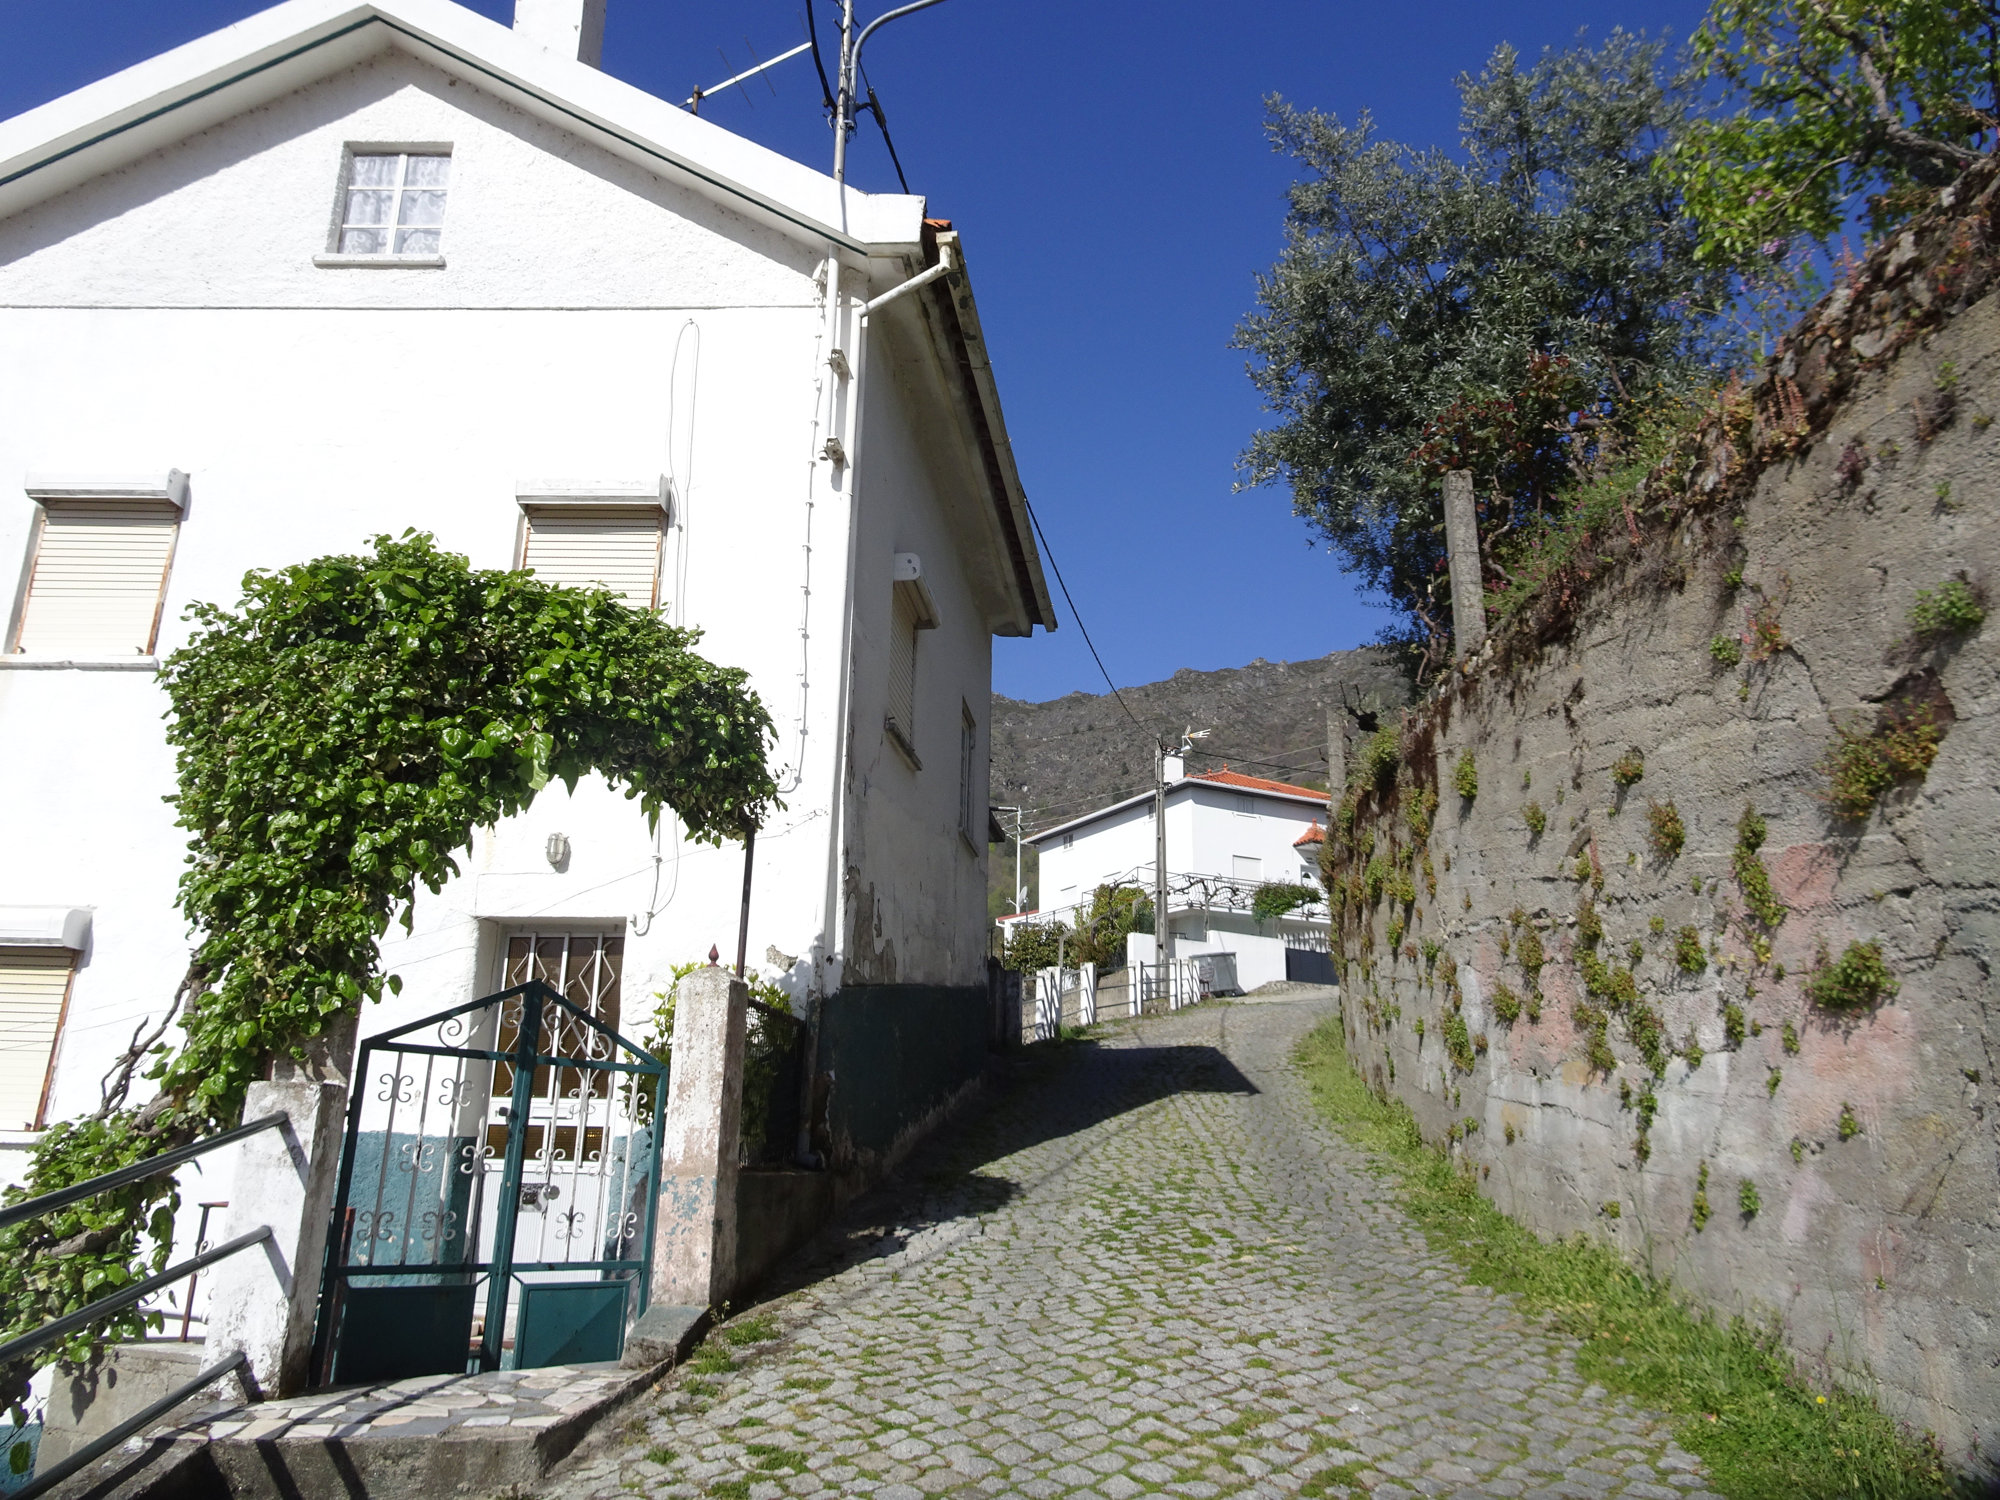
{"x": 590, "y": 323}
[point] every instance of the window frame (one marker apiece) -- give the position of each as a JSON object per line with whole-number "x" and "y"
{"x": 46, "y": 490}
{"x": 909, "y": 598}
{"x": 968, "y": 752}
{"x": 335, "y": 258}
{"x": 39, "y": 1121}
{"x": 549, "y": 495}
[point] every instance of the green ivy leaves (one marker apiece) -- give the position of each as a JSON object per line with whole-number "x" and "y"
{"x": 338, "y": 736}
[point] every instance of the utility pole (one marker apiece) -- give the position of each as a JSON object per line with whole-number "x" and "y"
{"x": 1020, "y": 875}
{"x": 1163, "y": 934}
{"x": 850, "y": 68}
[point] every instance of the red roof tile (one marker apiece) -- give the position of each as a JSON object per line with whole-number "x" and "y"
{"x": 1313, "y": 835}
{"x": 1260, "y": 783}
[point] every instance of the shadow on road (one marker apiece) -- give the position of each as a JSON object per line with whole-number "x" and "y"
{"x": 1049, "y": 1093}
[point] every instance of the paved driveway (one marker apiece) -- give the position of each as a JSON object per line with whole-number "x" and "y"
{"x": 1148, "y": 1268}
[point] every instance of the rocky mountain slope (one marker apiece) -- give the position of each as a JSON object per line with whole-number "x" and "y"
{"x": 1071, "y": 754}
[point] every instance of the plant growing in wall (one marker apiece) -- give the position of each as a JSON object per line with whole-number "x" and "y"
{"x": 1751, "y": 876}
{"x": 1858, "y": 980}
{"x": 1465, "y": 778}
{"x": 1863, "y": 764}
{"x": 1629, "y": 769}
{"x": 1952, "y": 608}
{"x": 338, "y": 737}
{"x": 1688, "y": 954}
{"x": 1457, "y": 1041}
{"x": 1536, "y": 819}
{"x": 1418, "y": 810}
{"x": 1664, "y": 829}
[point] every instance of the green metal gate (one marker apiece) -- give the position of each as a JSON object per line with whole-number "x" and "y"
{"x": 498, "y": 1185}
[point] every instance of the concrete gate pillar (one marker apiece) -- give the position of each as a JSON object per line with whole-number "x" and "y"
{"x": 264, "y": 1300}
{"x": 694, "y": 1241}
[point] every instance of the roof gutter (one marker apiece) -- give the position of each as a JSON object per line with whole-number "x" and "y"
{"x": 966, "y": 345}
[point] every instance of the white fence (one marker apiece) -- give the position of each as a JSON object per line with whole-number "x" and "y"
{"x": 1071, "y": 997}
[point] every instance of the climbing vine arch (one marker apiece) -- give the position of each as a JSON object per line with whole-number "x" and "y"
{"x": 338, "y": 737}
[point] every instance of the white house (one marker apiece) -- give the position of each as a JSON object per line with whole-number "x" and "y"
{"x": 1227, "y": 835}
{"x": 352, "y": 266}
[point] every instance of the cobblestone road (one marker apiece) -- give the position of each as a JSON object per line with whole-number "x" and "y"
{"x": 1147, "y": 1269}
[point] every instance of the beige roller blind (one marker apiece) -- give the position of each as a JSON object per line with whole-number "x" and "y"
{"x": 608, "y": 546}
{"x": 903, "y": 667}
{"x": 34, "y": 983}
{"x": 100, "y": 568}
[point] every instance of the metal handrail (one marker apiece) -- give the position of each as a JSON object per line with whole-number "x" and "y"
{"x": 69, "y": 1323}
{"x": 102, "y": 1444}
{"x": 152, "y": 1166}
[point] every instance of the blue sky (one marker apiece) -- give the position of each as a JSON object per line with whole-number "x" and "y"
{"x": 1107, "y": 165}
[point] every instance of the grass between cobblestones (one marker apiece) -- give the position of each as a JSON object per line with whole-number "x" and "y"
{"x": 1736, "y": 1398}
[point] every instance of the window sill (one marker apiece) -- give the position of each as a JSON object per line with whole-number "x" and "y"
{"x": 894, "y": 734}
{"x": 19, "y": 663}
{"x": 379, "y": 262}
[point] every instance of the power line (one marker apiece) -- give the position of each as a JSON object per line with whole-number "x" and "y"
{"x": 1050, "y": 553}
{"x": 882, "y": 123}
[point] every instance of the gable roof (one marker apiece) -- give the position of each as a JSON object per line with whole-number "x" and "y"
{"x": 1227, "y": 777}
{"x": 1233, "y": 779}
{"x": 130, "y": 114}
{"x": 111, "y": 122}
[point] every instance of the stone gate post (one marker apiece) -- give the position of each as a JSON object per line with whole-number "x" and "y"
{"x": 694, "y": 1242}
{"x": 264, "y": 1300}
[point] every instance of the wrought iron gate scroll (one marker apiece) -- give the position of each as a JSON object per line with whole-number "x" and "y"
{"x": 498, "y": 1185}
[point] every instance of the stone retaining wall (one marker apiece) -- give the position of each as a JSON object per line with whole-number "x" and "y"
{"x": 1659, "y": 1110}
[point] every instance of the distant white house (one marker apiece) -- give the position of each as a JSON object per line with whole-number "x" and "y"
{"x": 1227, "y": 835}
{"x": 352, "y": 266}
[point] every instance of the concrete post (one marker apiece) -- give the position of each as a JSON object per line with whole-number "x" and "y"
{"x": 1336, "y": 755}
{"x": 264, "y": 1300}
{"x": 694, "y": 1243}
{"x": 1461, "y": 535}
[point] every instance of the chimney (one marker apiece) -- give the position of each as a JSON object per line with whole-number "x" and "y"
{"x": 569, "y": 28}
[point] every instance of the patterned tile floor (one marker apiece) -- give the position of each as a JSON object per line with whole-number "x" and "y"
{"x": 1147, "y": 1268}
{"x": 426, "y": 1406}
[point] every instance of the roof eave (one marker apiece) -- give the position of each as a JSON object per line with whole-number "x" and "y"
{"x": 1306, "y": 799}
{"x": 959, "y": 314}
{"x": 117, "y": 119}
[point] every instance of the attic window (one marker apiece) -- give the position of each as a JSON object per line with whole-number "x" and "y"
{"x": 392, "y": 204}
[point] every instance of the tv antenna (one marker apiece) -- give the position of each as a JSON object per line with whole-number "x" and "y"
{"x": 693, "y": 105}
{"x": 850, "y": 66}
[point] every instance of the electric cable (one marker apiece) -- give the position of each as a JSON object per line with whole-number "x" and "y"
{"x": 1075, "y": 614}
{"x": 825, "y": 88}
{"x": 882, "y": 124}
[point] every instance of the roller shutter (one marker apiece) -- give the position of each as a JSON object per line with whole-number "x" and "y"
{"x": 606, "y": 546}
{"x": 34, "y": 985}
{"x": 100, "y": 570}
